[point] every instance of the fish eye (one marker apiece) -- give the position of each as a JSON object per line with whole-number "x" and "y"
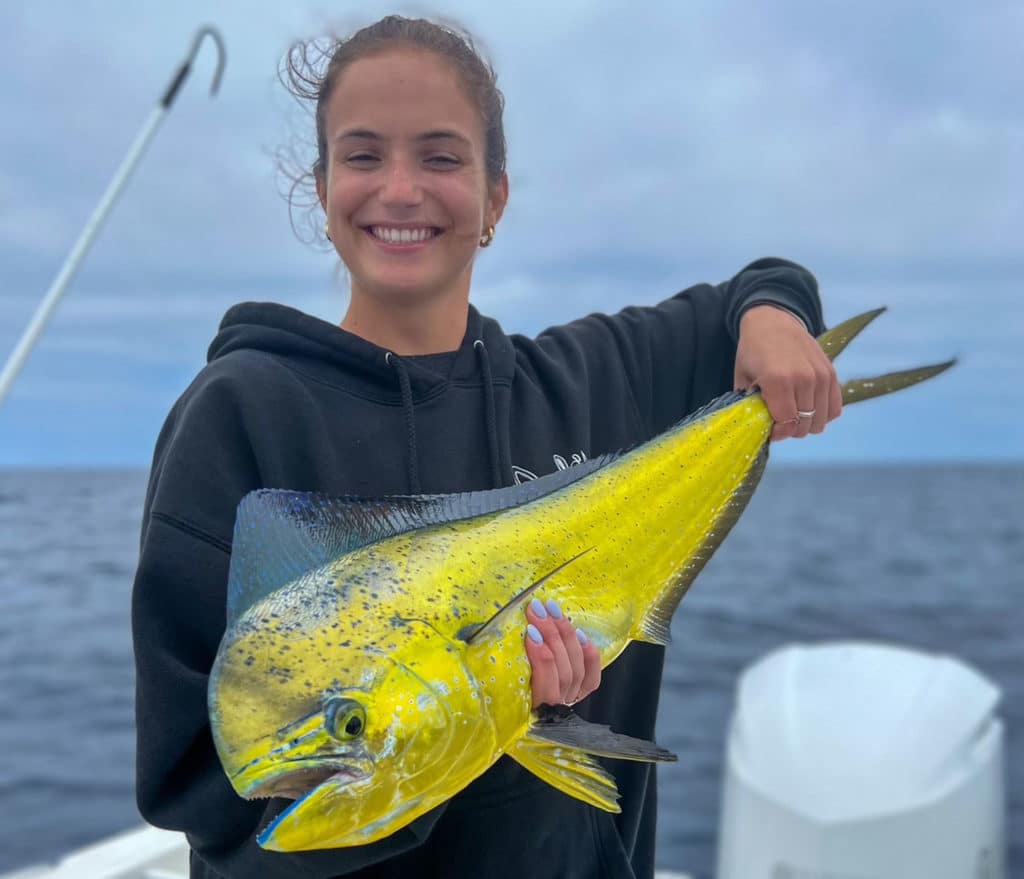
{"x": 344, "y": 719}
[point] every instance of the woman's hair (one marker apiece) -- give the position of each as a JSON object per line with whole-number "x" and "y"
{"x": 311, "y": 69}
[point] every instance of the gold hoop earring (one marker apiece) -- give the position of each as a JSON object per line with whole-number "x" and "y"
{"x": 487, "y": 237}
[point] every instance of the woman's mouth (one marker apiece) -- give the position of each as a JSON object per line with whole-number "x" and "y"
{"x": 402, "y": 239}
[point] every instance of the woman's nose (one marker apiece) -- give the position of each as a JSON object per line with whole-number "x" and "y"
{"x": 400, "y": 185}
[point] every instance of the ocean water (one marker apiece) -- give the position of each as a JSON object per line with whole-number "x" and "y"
{"x": 926, "y": 557}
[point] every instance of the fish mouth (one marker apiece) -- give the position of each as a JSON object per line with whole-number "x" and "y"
{"x": 295, "y": 779}
{"x": 330, "y": 816}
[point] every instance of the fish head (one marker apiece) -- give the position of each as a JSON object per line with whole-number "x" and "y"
{"x": 358, "y": 731}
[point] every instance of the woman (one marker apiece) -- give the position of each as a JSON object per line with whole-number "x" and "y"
{"x": 415, "y": 392}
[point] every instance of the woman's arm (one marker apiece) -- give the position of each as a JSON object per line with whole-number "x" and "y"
{"x": 671, "y": 358}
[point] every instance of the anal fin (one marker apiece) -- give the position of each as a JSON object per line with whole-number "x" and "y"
{"x": 557, "y": 748}
{"x": 655, "y": 627}
{"x": 569, "y": 770}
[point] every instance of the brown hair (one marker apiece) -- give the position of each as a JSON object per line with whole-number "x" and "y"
{"x": 312, "y": 67}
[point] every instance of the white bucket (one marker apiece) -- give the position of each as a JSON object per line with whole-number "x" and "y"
{"x": 863, "y": 761}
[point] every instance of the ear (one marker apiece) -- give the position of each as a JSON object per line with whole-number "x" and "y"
{"x": 497, "y": 198}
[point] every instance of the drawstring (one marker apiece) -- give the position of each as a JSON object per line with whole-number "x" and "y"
{"x": 491, "y": 415}
{"x": 410, "y": 420}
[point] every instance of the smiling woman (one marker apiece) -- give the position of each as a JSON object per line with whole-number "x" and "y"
{"x": 410, "y": 163}
{"x": 406, "y": 195}
{"x": 415, "y": 392}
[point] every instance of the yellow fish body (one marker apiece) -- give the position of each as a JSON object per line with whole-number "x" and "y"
{"x": 373, "y": 663}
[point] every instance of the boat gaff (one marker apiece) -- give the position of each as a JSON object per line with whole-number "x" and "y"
{"x": 106, "y": 203}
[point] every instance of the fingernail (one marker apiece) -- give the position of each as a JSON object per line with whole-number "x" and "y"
{"x": 534, "y": 634}
{"x": 538, "y": 608}
{"x": 583, "y": 639}
{"x": 554, "y": 609}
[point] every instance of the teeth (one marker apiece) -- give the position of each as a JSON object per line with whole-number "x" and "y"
{"x": 401, "y": 236}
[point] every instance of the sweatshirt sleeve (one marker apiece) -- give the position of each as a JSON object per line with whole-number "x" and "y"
{"x": 680, "y": 354}
{"x": 202, "y": 467}
{"x": 777, "y": 282}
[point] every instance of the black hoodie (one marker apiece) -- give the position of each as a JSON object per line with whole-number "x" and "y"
{"x": 290, "y": 401}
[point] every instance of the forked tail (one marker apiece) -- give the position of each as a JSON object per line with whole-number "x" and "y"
{"x": 835, "y": 340}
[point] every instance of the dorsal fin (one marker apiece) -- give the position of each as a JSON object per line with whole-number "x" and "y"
{"x": 709, "y": 408}
{"x": 280, "y": 535}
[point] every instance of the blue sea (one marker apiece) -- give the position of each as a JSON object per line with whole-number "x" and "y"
{"x": 926, "y": 557}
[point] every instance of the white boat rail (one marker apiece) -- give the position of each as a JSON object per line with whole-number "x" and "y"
{"x": 140, "y": 853}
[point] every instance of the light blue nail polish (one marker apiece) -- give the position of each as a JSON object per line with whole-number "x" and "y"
{"x": 554, "y": 609}
{"x": 534, "y": 633}
{"x": 538, "y": 609}
{"x": 583, "y": 639}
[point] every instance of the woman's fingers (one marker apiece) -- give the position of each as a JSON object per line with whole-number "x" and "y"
{"x": 573, "y": 650}
{"x": 823, "y": 381}
{"x": 591, "y": 666}
{"x": 566, "y": 666}
{"x": 779, "y": 396}
{"x": 835, "y": 397}
{"x": 792, "y": 398}
{"x": 777, "y": 355}
{"x": 544, "y": 675}
{"x": 803, "y": 396}
{"x": 538, "y": 616}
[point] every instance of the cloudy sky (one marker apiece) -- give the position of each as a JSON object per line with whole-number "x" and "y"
{"x": 651, "y": 146}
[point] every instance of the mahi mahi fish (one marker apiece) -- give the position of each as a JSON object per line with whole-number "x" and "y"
{"x": 373, "y": 662}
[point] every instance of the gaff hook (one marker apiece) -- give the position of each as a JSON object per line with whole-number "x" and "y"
{"x": 186, "y": 65}
{"x": 99, "y": 214}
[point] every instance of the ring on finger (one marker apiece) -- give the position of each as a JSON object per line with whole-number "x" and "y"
{"x": 801, "y": 414}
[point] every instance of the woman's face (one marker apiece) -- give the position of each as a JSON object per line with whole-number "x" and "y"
{"x": 405, "y": 187}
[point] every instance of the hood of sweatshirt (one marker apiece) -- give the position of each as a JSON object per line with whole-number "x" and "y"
{"x": 335, "y": 356}
{"x": 328, "y": 354}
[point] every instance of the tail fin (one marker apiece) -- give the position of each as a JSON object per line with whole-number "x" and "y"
{"x": 835, "y": 340}
{"x": 858, "y": 389}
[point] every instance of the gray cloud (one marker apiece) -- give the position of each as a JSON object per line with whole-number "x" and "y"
{"x": 650, "y": 148}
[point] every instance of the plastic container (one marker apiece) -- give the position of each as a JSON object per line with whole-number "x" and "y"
{"x": 863, "y": 761}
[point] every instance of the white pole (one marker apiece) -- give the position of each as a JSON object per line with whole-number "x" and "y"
{"x": 67, "y": 272}
{"x": 99, "y": 214}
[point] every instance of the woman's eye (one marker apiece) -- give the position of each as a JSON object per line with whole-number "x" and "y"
{"x": 362, "y": 158}
{"x": 443, "y": 160}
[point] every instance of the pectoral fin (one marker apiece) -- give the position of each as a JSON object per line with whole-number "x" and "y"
{"x": 474, "y": 631}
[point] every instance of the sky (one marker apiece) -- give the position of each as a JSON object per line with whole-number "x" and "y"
{"x": 651, "y": 146}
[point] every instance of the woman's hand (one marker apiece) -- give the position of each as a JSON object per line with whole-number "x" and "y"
{"x": 779, "y": 356}
{"x": 566, "y": 666}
